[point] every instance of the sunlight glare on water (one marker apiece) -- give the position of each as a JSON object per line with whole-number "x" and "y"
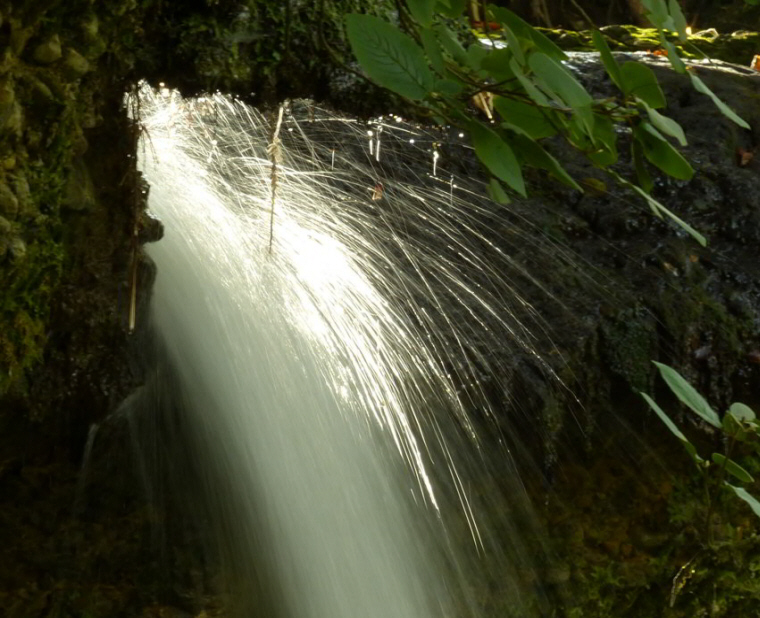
{"x": 309, "y": 351}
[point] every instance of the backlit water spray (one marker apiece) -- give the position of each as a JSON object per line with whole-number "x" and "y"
{"x": 325, "y": 328}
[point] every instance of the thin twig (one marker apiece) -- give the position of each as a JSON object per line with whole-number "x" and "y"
{"x": 583, "y": 13}
{"x": 275, "y": 156}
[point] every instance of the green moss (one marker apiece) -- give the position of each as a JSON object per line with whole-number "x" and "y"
{"x": 630, "y": 342}
{"x": 25, "y": 307}
{"x": 737, "y": 47}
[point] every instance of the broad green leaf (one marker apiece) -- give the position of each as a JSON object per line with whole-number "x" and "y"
{"x": 673, "y": 428}
{"x": 700, "y": 86}
{"x": 665, "y": 124}
{"x": 422, "y": 11}
{"x": 513, "y": 45}
{"x": 448, "y": 87}
{"x": 659, "y": 152}
{"x": 524, "y": 30}
{"x": 733, "y": 468}
{"x": 608, "y": 60}
{"x": 747, "y": 497}
{"x": 560, "y": 80}
{"x": 476, "y": 53}
{"x": 642, "y": 173}
{"x": 533, "y": 92}
{"x": 554, "y": 77}
{"x": 497, "y": 156}
{"x": 451, "y": 8}
{"x": 532, "y": 119}
{"x": 658, "y": 208}
{"x": 533, "y": 154}
{"x": 433, "y": 50}
{"x": 391, "y": 58}
{"x": 497, "y": 192}
{"x": 451, "y": 45}
{"x": 733, "y": 428}
{"x": 679, "y": 20}
{"x": 496, "y": 64}
{"x": 657, "y": 12}
{"x": 688, "y": 394}
{"x": 741, "y": 412}
{"x": 639, "y": 81}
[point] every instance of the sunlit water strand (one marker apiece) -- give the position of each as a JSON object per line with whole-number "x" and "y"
{"x": 307, "y": 341}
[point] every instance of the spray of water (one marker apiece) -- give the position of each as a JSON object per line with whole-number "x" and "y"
{"x": 328, "y": 324}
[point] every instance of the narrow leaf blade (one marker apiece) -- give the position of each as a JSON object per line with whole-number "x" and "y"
{"x": 688, "y": 394}
{"x": 700, "y": 86}
{"x": 608, "y": 60}
{"x": 672, "y": 426}
{"x": 747, "y": 497}
{"x": 733, "y": 468}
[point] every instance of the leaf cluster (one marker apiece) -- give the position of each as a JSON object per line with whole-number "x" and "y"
{"x": 524, "y": 87}
{"x": 739, "y": 425}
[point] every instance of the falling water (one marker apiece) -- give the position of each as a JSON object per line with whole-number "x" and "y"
{"x": 325, "y": 329}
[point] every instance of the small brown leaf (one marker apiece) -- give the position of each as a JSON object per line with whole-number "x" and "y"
{"x": 755, "y": 64}
{"x": 743, "y": 157}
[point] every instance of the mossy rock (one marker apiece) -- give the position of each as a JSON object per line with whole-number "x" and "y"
{"x": 737, "y": 47}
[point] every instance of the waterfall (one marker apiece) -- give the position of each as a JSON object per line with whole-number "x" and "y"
{"x": 327, "y": 332}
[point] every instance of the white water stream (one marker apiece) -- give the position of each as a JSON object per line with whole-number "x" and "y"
{"x": 321, "y": 402}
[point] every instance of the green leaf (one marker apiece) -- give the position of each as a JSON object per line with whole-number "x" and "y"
{"x": 513, "y": 45}
{"x": 747, "y": 497}
{"x": 608, "y": 60}
{"x": 476, "y": 53}
{"x": 532, "y": 119}
{"x": 665, "y": 124}
{"x": 642, "y": 173}
{"x": 639, "y": 81}
{"x": 532, "y": 153}
{"x": 448, "y": 87}
{"x": 700, "y": 86}
{"x": 688, "y": 394}
{"x": 679, "y": 20}
{"x": 533, "y": 92}
{"x": 657, "y": 12}
{"x": 451, "y": 8}
{"x": 673, "y": 57}
{"x": 733, "y": 468}
{"x": 659, "y": 209}
{"x": 525, "y": 31}
{"x": 560, "y": 80}
{"x": 496, "y": 64}
{"x": 741, "y": 412}
{"x": 433, "y": 50}
{"x": 605, "y": 138}
{"x": 673, "y": 428}
{"x": 451, "y": 45}
{"x": 422, "y": 11}
{"x": 659, "y": 152}
{"x": 733, "y": 428}
{"x": 391, "y": 58}
{"x": 497, "y": 192}
{"x": 497, "y": 156}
